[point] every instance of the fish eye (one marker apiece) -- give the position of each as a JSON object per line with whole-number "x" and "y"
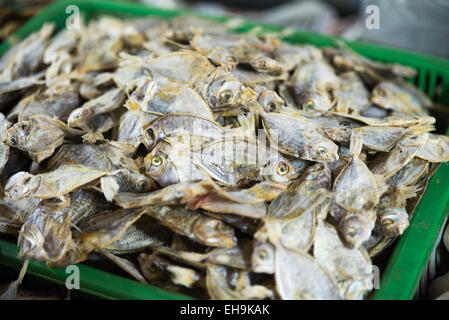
{"x": 231, "y": 59}
{"x": 13, "y": 140}
{"x": 149, "y": 134}
{"x": 26, "y": 128}
{"x": 387, "y": 222}
{"x": 142, "y": 185}
{"x": 262, "y": 254}
{"x": 156, "y": 161}
{"x": 220, "y": 227}
{"x": 153, "y": 268}
{"x": 283, "y": 169}
{"x": 309, "y": 104}
{"x": 351, "y": 232}
{"x": 321, "y": 150}
{"x": 381, "y": 92}
{"x": 271, "y": 106}
{"x": 225, "y": 96}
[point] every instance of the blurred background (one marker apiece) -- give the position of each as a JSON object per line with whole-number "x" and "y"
{"x": 421, "y": 26}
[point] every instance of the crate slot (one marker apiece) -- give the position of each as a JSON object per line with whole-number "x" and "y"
{"x": 438, "y": 89}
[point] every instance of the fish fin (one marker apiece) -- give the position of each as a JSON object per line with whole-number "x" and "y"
{"x": 42, "y": 155}
{"x": 132, "y": 105}
{"x": 125, "y": 265}
{"x": 407, "y": 192}
{"x": 177, "y": 44}
{"x": 216, "y": 172}
{"x": 247, "y": 124}
{"x": 11, "y": 291}
{"x": 356, "y": 143}
{"x": 421, "y": 128}
{"x": 381, "y": 185}
{"x": 248, "y": 95}
{"x": 109, "y": 187}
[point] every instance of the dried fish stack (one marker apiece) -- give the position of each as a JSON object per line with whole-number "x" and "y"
{"x": 228, "y": 166}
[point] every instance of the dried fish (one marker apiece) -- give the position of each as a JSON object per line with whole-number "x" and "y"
{"x": 226, "y": 165}
{"x": 154, "y": 266}
{"x": 46, "y": 233}
{"x": 239, "y": 160}
{"x": 299, "y": 137}
{"x": 109, "y": 101}
{"x": 351, "y": 95}
{"x": 189, "y": 127}
{"x": 220, "y": 89}
{"x": 299, "y": 276}
{"x": 400, "y": 97}
{"x": 206, "y": 230}
{"x": 170, "y": 96}
{"x": 144, "y": 233}
{"x": 302, "y": 195}
{"x": 349, "y": 60}
{"x": 51, "y": 184}
{"x": 356, "y": 187}
{"x": 311, "y": 83}
{"x": 219, "y": 288}
{"x": 351, "y": 268}
{"x": 215, "y": 202}
{"x": 174, "y": 194}
{"x": 39, "y": 136}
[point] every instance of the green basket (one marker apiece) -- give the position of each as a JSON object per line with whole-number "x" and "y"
{"x": 411, "y": 252}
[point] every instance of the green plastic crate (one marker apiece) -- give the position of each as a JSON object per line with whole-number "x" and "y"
{"x": 408, "y": 260}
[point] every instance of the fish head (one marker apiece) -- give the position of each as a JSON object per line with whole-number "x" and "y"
{"x": 214, "y": 233}
{"x": 279, "y": 169}
{"x": 27, "y": 134}
{"x": 21, "y": 185}
{"x": 152, "y": 265}
{"x": 142, "y": 183}
{"x": 315, "y": 100}
{"x": 270, "y": 101}
{"x": 323, "y": 151}
{"x": 382, "y": 94}
{"x": 319, "y": 172}
{"x": 262, "y": 63}
{"x": 156, "y": 163}
{"x": 393, "y": 221}
{"x": 80, "y": 116}
{"x": 152, "y": 135}
{"x": 262, "y": 259}
{"x": 38, "y": 135}
{"x": 133, "y": 181}
{"x": 224, "y": 58}
{"x": 354, "y": 230}
{"x": 16, "y": 136}
{"x": 225, "y": 92}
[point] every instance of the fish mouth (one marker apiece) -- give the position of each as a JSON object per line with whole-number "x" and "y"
{"x": 327, "y": 158}
{"x": 354, "y": 232}
{"x": 221, "y": 241}
{"x": 393, "y": 227}
{"x": 292, "y": 176}
{"x": 333, "y": 157}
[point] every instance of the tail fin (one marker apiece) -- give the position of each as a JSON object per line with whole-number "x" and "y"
{"x": 356, "y": 143}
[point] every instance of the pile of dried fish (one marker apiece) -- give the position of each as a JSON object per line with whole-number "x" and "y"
{"x": 228, "y": 166}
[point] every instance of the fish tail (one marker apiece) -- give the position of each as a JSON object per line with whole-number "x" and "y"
{"x": 356, "y": 143}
